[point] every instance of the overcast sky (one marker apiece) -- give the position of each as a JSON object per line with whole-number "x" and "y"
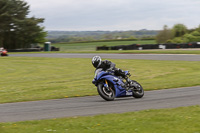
{"x": 80, "y": 15}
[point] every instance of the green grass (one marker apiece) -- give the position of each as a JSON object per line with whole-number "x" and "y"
{"x": 29, "y": 78}
{"x": 91, "y": 46}
{"x": 178, "y": 120}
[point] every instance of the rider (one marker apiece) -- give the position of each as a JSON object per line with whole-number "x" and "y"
{"x": 107, "y": 65}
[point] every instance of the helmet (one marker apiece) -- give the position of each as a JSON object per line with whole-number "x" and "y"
{"x": 96, "y": 61}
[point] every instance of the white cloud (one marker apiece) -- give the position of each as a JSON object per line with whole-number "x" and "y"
{"x": 115, "y": 14}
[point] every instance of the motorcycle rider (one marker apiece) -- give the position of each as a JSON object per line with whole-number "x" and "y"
{"x": 108, "y": 65}
{"x": 3, "y": 52}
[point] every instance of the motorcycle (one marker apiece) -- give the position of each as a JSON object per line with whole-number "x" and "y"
{"x": 110, "y": 86}
{"x": 4, "y": 53}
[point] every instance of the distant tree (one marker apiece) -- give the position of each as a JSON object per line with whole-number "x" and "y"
{"x": 179, "y": 30}
{"x": 198, "y": 28}
{"x": 192, "y": 37}
{"x": 16, "y": 29}
{"x": 164, "y": 35}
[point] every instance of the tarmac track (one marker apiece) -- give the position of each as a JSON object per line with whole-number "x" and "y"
{"x": 94, "y": 105}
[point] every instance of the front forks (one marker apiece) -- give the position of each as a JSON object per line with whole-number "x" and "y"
{"x": 106, "y": 85}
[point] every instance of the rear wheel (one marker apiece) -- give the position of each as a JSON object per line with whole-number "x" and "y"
{"x": 106, "y": 93}
{"x": 138, "y": 91}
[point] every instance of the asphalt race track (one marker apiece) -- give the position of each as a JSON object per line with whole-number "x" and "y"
{"x": 93, "y": 105}
{"x": 181, "y": 57}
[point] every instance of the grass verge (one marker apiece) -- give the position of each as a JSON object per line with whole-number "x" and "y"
{"x": 35, "y": 78}
{"x": 178, "y": 120}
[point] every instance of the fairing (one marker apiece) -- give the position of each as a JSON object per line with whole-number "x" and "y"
{"x": 117, "y": 83}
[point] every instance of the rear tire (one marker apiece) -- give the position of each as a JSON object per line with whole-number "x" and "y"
{"x": 138, "y": 92}
{"x": 107, "y": 94}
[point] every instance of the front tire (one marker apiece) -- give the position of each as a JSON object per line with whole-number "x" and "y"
{"x": 106, "y": 93}
{"x": 138, "y": 91}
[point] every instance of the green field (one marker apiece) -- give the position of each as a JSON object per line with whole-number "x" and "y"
{"x": 29, "y": 78}
{"x": 178, "y": 120}
{"x": 91, "y": 46}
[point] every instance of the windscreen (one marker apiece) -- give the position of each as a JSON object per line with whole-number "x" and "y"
{"x": 97, "y": 71}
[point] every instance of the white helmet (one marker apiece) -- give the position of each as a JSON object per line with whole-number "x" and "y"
{"x": 96, "y": 61}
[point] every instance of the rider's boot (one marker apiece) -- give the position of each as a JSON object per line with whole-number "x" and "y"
{"x": 128, "y": 84}
{"x": 128, "y": 81}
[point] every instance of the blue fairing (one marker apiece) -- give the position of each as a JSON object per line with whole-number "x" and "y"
{"x": 117, "y": 83}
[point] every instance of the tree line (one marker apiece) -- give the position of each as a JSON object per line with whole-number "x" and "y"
{"x": 17, "y": 30}
{"x": 179, "y": 33}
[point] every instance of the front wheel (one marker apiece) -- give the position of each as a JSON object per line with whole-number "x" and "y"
{"x": 106, "y": 93}
{"x": 138, "y": 91}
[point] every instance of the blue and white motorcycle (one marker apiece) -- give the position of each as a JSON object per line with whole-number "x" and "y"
{"x": 110, "y": 86}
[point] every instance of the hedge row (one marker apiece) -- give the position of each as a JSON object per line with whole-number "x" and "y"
{"x": 150, "y": 46}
